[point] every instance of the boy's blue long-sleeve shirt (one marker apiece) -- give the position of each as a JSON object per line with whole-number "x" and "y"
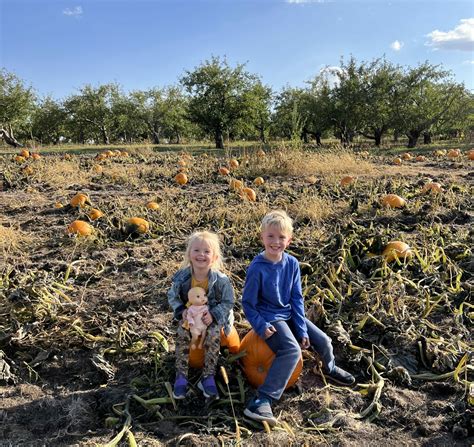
{"x": 272, "y": 292}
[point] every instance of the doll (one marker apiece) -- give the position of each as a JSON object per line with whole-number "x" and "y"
{"x": 198, "y": 305}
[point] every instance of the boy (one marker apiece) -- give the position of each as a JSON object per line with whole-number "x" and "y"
{"x": 273, "y": 304}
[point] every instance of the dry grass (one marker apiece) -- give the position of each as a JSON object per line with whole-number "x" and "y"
{"x": 14, "y": 244}
{"x": 60, "y": 173}
{"x": 314, "y": 208}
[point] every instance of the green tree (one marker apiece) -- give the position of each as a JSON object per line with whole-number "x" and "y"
{"x": 219, "y": 96}
{"x": 16, "y": 104}
{"x": 48, "y": 121}
{"x": 287, "y": 119}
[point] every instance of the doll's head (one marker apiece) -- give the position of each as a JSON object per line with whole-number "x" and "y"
{"x": 197, "y": 296}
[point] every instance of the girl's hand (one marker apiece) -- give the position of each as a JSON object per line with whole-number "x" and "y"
{"x": 269, "y": 331}
{"x": 305, "y": 343}
{"x": 207, "y": 318}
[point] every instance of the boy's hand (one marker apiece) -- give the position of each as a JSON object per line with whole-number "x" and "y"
{"x": 269, "y": 331}
{"x": 207, "y": 318}
{"x": 305, "y": 343}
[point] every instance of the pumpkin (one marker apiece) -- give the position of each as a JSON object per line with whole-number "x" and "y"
{"x": 97, "y": 169}
{"x": 35, "y": 156}
{"x": 433, "y": 187}
{"x": 181, "y": 178}
{"x": 259, "y": 358}
{"x": 261, "y": 153}
{"x": 231, "y": 342}
{"x": 27, "y": 170}
{"x": 346, "y": 181}
{"x": 116, "y": 153}
{"x": 124, "y": 154}
{"x": 397, "y": 161}
{"x": 95, "y": 214}
{"x": 440, "y": 153}
{"x": 249, "y": 194}
{"x": 470, "y": 154}
{"x": 19, "y": 159}
{"x": 79, "y": 200}
{"x": 236, "y": 185}
{"x": 100, "y": 157}
{"x": 258, "y": 181}
{"x": 108, "y": 153}
{"x": 182, "y": 163}
{"x": 454, "y": 153}
{"x": 393, "y": 201}
{"x": 153, "y": 206}
{"x": 420, "y": 158}
{"x": 80, "y": 228}
{"x": 25, "y": 153}
{"x": 396, "y": 249}
{"x": 234, "y": 164}
{"x": 407, "y": 156}
{"x": 137, "y": 225}
{"x": 223, "y": 171}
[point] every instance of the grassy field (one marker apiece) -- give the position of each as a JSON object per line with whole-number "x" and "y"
{"x": 86, "y": 334}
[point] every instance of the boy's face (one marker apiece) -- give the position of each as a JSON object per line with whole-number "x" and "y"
{"x": 275, "y": 242}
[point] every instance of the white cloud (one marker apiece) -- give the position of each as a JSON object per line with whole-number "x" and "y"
{"x": 74, "y": 12}
{"x": 460, "y": 38}
{"x": 330, "y": 74}
{"x": 396, "y": 45}
{"x": 469, "y": 62}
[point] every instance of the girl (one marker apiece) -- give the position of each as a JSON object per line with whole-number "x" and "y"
{"x": 200, "y": 268}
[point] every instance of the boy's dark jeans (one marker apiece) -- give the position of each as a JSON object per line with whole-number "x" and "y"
{"x": 287, "y": 353}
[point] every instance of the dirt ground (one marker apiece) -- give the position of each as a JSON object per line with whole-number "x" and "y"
{"x": 79, "y": 317}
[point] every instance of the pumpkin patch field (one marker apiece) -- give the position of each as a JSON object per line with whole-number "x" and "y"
{"x": 88, "y": 246}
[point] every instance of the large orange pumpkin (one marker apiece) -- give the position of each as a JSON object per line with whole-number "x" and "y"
{"x": 181, "y": 178}
{"x": 79, "y": 200}
{"x": 25, "y": 153}
{"x": 259, "y": 359}
{"x": 393, "y": 201}
{"x": 231, "y": 342}
{"x": 397, "y": 249}
{"x": 249, "y": 194}
{"x": 234, "y": 164}
{"x": 137, "y": 225}
{"x": 80, "y": 228}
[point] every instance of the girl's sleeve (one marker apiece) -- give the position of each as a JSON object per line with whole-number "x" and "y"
{"x": 297, "y": 304}
{"x": 221, "y": 311}
{"x": 250, "y": 296}
{"x": 175, "y": 302}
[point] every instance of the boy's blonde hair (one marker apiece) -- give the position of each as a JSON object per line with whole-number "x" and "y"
{"x": 213, "y": 240}
{"x": 279, "y": 219}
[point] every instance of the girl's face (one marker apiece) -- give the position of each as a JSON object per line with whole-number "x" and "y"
{"x": 201, "y": 255}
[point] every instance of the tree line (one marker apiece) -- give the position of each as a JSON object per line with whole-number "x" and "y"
{"x": 219, "y": 102}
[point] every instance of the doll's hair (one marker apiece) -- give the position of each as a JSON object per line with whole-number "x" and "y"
{"x": 213, "y": 240}
{"x": 279, "y": 219}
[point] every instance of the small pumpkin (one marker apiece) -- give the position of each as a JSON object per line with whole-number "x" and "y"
{"x": 236, "y": 185}
{"x": 397, "y": 161}
{"x": 95, "y": 214}
{"x": 117, "y": 153}
{"x": 80, "y": 228}
{"x": 470, "y": 154}
{"x": 454, "y": 153}
{"x": 100, "y": 157}
{"x": 25, "y": 153}
{"x": 348, "y": 180}
{"x": 137, "y": 225}
{"x": 249, "y": 194}
{"x": 259, "y": 358}
{"x": 420, "y": 158}
{"x": 124, "y": 154}
{"x": 181, "y": 178}
{"x": 27, "y": 170}
{"x": 259, "y": 181}
{"x": 153, "y": 206}
{"x": 223, "y": 171}
{"x": 80, "y": 200}
{"x": 396, "y": 249}
{"x": 393, "y": 201}
{"x": 234, "y": 164}
{"x": 35, "y": 156}
{"x": 432, "y": 187}
{"x": 182, "y": 163}
{"x": 440, "y": 153}
{"x": 108, "y": 154}
{"x": 97, "y": 169}
{"x": 231, "y": 342}
{"x": 19, "y": 159}
{"x": 261, "y": 153}
{"x": 406, "y": 156}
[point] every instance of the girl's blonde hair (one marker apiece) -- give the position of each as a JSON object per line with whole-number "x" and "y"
{"x": 279, "y": 219}
{"x": 213, "y": 240}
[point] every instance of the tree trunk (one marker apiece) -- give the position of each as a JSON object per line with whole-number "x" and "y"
{"x": 155, "y": 136}
{"x": 317, "y": 135}
{"x": 426, "y": 137}
{"x": 105, "y": 136}
{"x": 178, "y": 137}
{"x": 378, "y": 137}
{"x": 219, "y": 137}
{"x": 413, "y": 136}
{"x": 304, "y": 136}
{"x": 396, "y": 134}
{"x": 9, "y": 138}
{"x": 261, "y": 133}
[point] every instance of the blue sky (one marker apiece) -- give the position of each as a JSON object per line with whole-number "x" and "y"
{"x": 57, "y": 46}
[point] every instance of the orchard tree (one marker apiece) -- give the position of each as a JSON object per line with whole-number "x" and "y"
{"x": 260, "y": 99}
{"x": 91, "y": 110}
{"x": 287, "y": 119}
{"x": 16, "y": 105}
{"x": 127, "y": 125}
{"x": 219, "y": 96}
{"x": 48, "y": 121}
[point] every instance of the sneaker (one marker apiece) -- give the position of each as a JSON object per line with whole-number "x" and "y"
{"x": 260, "y": 410}
{"x": 208, "y": 387}
{"x": 338, "y": 375}
{"x": 180, "y": 387}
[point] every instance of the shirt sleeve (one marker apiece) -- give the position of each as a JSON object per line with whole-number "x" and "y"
{"x": 297, "y": 304}
{"x": 174, "y": 300}
{"x": 221, "y": 311}
{"x": 250, "y": 297}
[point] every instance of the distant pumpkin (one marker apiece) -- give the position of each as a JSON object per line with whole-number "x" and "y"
{"x": 432, "y": 187}
{"x": 249, "y": 194}
{"x": 407, "y": 156}
{"x": 259, "y": 181}
{"x": 234, "y": 164}
{"x": 80, "y": 200}
{"x": 397, "y": 161}
{"x": 181, "y": 178}
{"x": 80, "y": 228}
{"x": 137, "y": 225}
{"x": 348, "y": 180}
{"x": 95, "y": 214}
{"x": 393, "y": 201}
{"x": 153, "y": 206}
{"x": 223, "y": 171}
{"x": 25, "y": 153}
{"x": 420, "y": 158}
